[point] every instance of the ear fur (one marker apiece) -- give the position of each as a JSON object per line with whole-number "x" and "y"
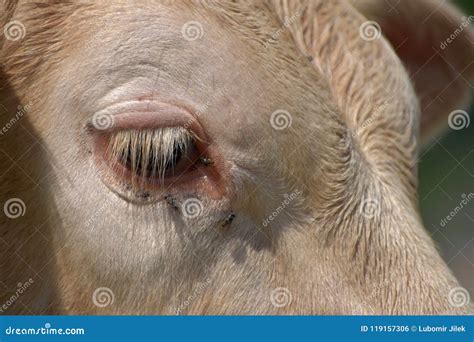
{"x": 435, "y": 41}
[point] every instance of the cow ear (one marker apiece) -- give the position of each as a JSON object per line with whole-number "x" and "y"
{"x": 436, "y": 44}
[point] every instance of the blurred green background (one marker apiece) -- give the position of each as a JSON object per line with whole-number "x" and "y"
{"x": 446, "y": 174}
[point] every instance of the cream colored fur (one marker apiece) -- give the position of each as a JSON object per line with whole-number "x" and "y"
{"x": 77, "y": 235}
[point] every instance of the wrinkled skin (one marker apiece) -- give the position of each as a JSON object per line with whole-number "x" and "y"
{"x": 81, "y": 232}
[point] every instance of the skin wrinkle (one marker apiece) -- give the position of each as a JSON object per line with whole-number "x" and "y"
{"x": 153, "y": 257}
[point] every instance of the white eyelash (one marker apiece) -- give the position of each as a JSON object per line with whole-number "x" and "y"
{"x": 150, "y": 152}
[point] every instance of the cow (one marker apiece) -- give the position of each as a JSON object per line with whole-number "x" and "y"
{"x": 224, "y": 157}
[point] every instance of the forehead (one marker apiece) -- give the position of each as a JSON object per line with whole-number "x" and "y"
{"x": 181, "y": 48}
{"x": 181, "y": 33}
{"x": 213, "y": 58}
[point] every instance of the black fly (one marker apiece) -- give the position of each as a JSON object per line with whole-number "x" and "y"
{"x": 171, "y": 201}
{"x": 228, "y": 220}
{"x": 206, "y": 161}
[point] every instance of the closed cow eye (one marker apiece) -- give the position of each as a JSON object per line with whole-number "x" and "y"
{"x": 153, "y": 155}
{"x": 154, "y": 147}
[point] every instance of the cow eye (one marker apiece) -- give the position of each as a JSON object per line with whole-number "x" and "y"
{"x": 153, "y": 155}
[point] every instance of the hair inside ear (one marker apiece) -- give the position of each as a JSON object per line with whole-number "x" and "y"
{"x": 435, "y": 43}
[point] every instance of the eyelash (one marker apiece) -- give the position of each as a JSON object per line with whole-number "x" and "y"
{"x": 153, "y": 154}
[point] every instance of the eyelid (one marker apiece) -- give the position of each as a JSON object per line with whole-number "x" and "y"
{"x": 145, "y": 114}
